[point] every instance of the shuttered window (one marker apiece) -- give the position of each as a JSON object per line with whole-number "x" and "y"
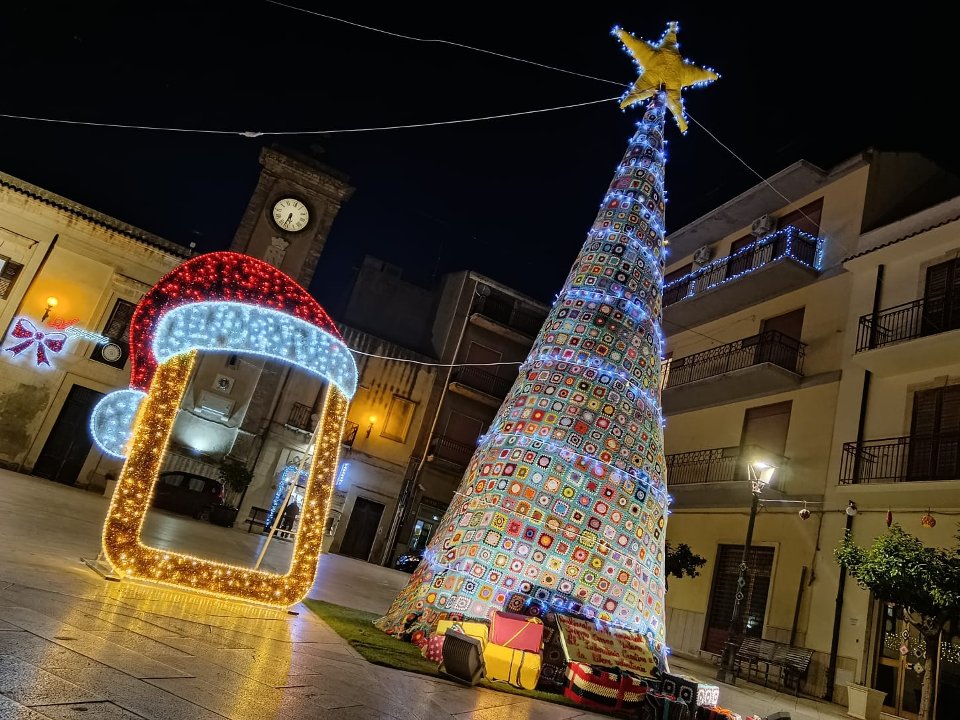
{"x": 724, "y": 591}
{"x": 9, "y": 271}
{"x": 805, "y": 219}
{"x": 935, "y": 435}
{"x": 941, "y": 298}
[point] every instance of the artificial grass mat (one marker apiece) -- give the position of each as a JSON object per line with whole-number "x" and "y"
{"x": 356, "y": 627}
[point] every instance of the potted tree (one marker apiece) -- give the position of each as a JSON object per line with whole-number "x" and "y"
{"x": 236, "y": 477}
{"x": 924, "y": 582}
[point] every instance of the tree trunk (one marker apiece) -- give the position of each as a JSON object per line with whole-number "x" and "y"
{"x": 931, "y": 643}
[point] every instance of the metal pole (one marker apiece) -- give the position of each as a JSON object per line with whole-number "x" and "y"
{"x": 728, "y": 673}
{"x": 276, "y": 518}
{"x": 838, "y": 609}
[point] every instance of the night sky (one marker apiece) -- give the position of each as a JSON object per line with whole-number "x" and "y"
{"x": 510, "y": 198}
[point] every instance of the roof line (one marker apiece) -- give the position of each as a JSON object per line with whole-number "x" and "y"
{"x": 928, "y": 228}
{"x": 93, "y": 216}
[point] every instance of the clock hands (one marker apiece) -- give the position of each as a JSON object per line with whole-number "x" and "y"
{"x": 286, "y": 223}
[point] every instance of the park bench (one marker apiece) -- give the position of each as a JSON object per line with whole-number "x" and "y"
{"x": 257, "y": 516}
{"x": 765, "y": 659}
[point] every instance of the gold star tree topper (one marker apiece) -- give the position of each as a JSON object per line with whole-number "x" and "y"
{"x": 662, "y": 69}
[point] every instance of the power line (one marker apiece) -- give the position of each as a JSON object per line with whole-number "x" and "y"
{"x": 334, "y": 131}
{"x": 447, "y": 42}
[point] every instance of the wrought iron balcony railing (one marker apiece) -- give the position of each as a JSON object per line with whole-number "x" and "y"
{"x": 507, "y": 312}
{"x": 901, "y": 459}
{"x": 454, "y": 451}
{"x": 786, "y": 242}
{"x": 771, "y": 346}
{"x": 920, "y": 318}
{"x": 349, "y": 433}
{"x": 705, "y": 466}
{"x": 483, "y": 381}
{"x": 300, "y": 416}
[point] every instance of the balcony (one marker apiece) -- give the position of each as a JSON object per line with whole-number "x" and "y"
{"x": 449, "y": 450}
{"x": 300, "y": 420}
{"x": 917, "y": 335}
{"x": 503, "y": 315}
{"x": 901, "y": 459}
{"x": 769, "y": 266}
{"x": 480, "y": 385}
{"x": 300, "y": 417}
{"x": 763, "y": 364}
{"x": 716, "y": 477}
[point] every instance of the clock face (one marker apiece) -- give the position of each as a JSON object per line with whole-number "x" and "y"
{"x": 291, "y": 214}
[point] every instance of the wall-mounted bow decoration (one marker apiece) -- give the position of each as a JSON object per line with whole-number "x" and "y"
{"x": 29, "y": 334}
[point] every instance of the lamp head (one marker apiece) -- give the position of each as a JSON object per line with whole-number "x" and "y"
{"x": 51, "y": 304}
{"x": 851, "y": 509}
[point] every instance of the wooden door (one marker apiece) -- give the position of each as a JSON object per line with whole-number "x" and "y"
{"x": 780, "y": 340}
{"x": 764, "y": 428}
{"x": 941, "y": 298}
{"x": 935, "y": 435}
{"x": 68, "y": 444}
{"x": 361, "y": 529}
{"x": 753, "y": 607}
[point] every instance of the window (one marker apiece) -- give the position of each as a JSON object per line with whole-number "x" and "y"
{"x": 9, "y": 271}
{"x": 941, "y": 298}
{"x": 117, "y": 328}
{"x": 196, "y": 484}
{"x": 399, "y": 417}
{"x": 806, "y": 219}
{"x": 743, "y": 262}
{"x": 935, "y": 435}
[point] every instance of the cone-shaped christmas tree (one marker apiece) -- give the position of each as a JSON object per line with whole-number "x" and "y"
{"x": 565, "y": 499}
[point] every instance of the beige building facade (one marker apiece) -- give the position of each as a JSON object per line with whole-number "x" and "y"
{"x": 65, "y": 268}
{"x": 762, "y": 308}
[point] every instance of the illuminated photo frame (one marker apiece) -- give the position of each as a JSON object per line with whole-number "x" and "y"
{"x": 121, "y": 532}
{"x": 202, "y": 306}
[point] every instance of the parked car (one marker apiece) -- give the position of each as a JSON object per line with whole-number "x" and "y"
{"x": 408, "y": 563}
{"x": 188, "y": 494}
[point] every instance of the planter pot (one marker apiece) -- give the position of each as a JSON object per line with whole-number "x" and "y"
{"x": 864, "y": 702}
{"x": 223, "y": 515}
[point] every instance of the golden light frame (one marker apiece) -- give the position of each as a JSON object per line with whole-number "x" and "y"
{"x": 121, "y": 531}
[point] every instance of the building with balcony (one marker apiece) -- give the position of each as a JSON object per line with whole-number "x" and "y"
{"x": 760, "y": 351}
{"x": 897, "y": 435}
{"x": 469, "y": 321}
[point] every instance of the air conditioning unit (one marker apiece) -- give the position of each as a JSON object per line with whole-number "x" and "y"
{"x": 763, "y": 225}
{"x": 702, "y": 254}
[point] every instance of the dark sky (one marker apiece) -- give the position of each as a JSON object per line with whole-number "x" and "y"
{"x": 511, "y": 198}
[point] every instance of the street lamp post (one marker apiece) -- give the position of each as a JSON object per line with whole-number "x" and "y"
{"x": 760, "y": 474}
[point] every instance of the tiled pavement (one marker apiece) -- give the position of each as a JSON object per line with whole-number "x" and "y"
{"x": 73, "y": 645}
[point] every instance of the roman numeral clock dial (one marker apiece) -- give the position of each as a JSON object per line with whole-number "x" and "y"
{"x": 290, "y": 214}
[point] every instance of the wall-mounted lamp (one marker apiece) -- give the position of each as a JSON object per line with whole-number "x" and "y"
{"x": 372, "y": 419}
{"x": 51, "y": 304}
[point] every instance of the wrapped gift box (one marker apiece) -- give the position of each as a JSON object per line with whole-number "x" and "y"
{"x": 691, "y": 691}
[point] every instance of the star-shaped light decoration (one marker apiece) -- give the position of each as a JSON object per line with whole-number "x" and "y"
{"x": 662, "y": 69}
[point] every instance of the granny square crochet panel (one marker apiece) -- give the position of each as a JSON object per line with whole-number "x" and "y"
{"x": 564, "y": 499}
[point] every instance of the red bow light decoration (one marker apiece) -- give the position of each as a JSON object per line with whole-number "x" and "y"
{"x": 27, "y": 332}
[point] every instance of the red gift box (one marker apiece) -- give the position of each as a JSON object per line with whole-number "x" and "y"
{"x": 517, "y": 632}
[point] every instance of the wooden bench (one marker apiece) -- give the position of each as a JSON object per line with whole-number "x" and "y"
{"x": 257, "y": 516}
{"x": 757, "y": 658}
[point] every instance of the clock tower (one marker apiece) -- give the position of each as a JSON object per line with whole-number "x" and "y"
{"x": 290, "y": 213}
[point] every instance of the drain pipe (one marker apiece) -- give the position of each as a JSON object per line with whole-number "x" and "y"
{"x": 851, "y": 509}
